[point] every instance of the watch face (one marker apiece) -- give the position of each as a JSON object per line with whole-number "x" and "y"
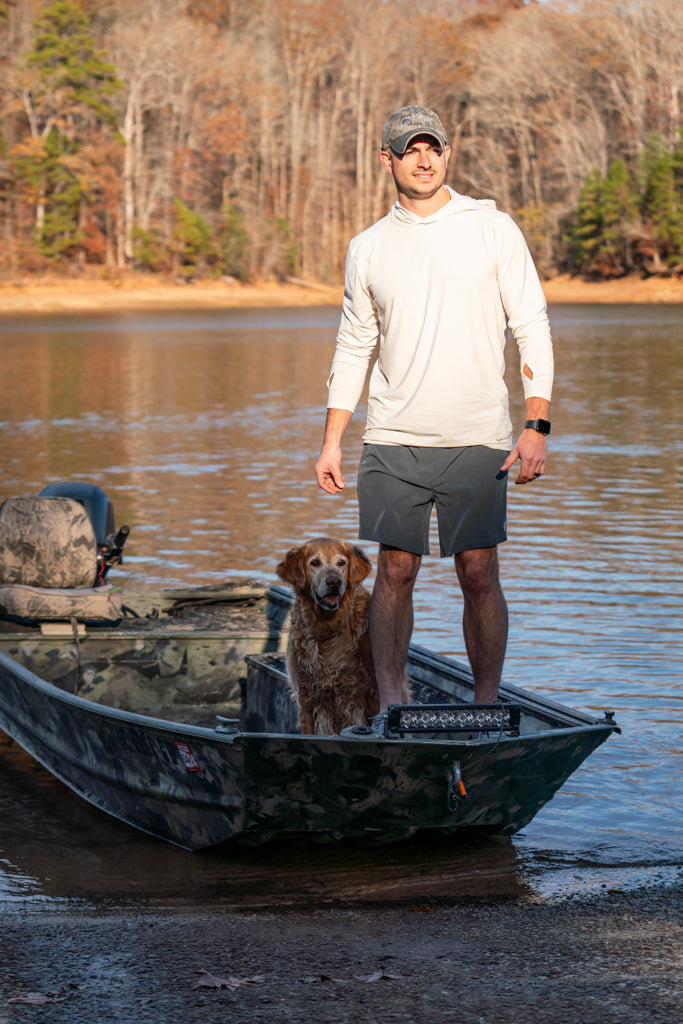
{"x": 542, "y": 426}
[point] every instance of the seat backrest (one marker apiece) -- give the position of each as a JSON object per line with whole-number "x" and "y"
{"x": 46, "y": 542}
{"x": 94, "y": 501}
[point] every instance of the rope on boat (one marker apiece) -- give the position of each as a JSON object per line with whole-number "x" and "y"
{"x": 77, "y": 641}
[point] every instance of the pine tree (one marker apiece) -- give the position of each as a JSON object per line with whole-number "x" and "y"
{"x": 606, "y": 222}
{"x": 586, "y": 228}
{"x": 72, "y": 77}
{"x": 192, "y": 244}
{"x": 233, "y": 242}
{"x": 620, "y": 216}
{"x": 663, "y": 200}
{"x": 66, "y": 89}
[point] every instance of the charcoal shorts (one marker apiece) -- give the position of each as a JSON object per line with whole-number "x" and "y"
{"x": 398, "y": 486}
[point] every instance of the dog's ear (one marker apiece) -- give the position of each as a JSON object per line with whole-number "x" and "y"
{"x": 291, "y": 568}
{"x": 360, "y": 565}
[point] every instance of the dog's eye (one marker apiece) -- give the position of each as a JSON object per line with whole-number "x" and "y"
{"x": 315, "y": 561}
{"x": 341, "y": 563}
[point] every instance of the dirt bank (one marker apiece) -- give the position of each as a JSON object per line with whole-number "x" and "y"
{"x": 629, "y": 289}
{"x": 84, "y": 296}
{"x": 616, "y": 959}
{"x": 55, "y": 295}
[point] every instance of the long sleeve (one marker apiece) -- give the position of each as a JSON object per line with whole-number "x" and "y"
{"x": 526, "y": 309}
{"x": 356, "y": 340}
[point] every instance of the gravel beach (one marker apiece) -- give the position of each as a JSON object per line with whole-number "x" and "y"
{"x": 615, "y": 959}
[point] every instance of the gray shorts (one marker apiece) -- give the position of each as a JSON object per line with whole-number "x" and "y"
{"x": 398, "y": 485}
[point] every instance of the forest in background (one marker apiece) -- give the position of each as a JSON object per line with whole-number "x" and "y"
{"x": 216, "y": 138}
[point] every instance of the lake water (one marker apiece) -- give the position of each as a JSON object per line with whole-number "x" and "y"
{"x": 203, "y": 428}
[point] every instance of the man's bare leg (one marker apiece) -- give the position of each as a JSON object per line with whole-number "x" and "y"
{"x": 485, "y": 619}
{"x": 391, "y": 620}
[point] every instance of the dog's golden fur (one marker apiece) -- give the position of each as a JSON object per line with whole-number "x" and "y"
{"x": 329, "y": 661}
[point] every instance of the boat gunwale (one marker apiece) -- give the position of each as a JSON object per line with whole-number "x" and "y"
{"x": 215, "y": 734}
{"x": 535, "y": 703}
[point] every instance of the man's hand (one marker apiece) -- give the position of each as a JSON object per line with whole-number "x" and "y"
{"x": 328, "y": 469}
{"x": 532, "y": 451}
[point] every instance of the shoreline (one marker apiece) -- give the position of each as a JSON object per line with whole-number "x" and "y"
{"x": 610, "y": 959}
{"x": 55, "y": 295}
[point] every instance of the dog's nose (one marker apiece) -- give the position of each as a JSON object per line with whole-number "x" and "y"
{"x": 333, "y": 582}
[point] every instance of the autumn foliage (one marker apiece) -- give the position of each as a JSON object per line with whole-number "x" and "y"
{"x": 216, "y": 138}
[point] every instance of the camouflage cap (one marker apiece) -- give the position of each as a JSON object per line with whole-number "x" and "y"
{"x": 404, "y": 124}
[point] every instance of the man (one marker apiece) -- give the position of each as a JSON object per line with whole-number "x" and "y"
{"x": 437, "y": 281}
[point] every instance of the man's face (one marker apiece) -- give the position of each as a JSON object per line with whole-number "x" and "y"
{"x": 421, "y": 171}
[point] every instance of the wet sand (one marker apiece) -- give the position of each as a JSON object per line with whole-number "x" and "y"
{"x": 88, "y": 296}
{"x": 615, "y": 959}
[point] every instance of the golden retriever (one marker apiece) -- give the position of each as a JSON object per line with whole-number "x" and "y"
{"x": 329, "y": 661}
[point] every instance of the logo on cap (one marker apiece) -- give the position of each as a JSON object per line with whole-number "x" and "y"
{"x": 404, "y": 124}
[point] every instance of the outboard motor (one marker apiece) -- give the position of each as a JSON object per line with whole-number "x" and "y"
{"x": 101, "y": 514}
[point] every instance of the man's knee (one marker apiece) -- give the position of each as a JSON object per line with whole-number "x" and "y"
{"x": 478, "y": 571}
{"x": 397, "y": 568}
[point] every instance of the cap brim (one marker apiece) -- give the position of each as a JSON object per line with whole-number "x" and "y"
{"x": 400, "y": 144}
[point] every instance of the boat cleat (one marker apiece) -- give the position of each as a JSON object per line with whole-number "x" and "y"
{"x": 377, "y": 730}
{"x": 227, "y": 725}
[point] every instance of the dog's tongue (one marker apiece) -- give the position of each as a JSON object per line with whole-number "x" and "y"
{"x": 331, "y": 600}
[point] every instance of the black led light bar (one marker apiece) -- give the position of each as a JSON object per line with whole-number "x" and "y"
{"x": 494, "y": 718}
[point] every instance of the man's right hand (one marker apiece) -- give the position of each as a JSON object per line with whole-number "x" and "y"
{"x": 328, "y": 470}
{"x": 328, "y": 467}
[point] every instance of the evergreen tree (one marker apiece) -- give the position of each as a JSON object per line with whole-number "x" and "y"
{"x": 605, "y": 223}
{"x": 66, "y": 88}
{"x": 233, "y": 242}
{"x": 61, "y": 235}
{"x": 620, "y": 216}
{"x": 663, "y": 200}
{"x": 677, "y": 161}
{"x": 586, "y": 228}
{"x": 72, "y": 77}
{"x": 192, "y": 244}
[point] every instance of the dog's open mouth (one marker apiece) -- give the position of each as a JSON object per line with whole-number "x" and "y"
{"x": 330, "y": 602}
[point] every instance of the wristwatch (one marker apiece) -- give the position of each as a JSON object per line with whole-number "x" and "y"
{"x": 542, "y": 426}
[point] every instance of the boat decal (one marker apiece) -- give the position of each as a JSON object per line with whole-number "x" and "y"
{"x": 187, "y": 756}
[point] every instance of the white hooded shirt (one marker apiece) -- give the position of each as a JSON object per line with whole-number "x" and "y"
{"x": 438, "y": 293}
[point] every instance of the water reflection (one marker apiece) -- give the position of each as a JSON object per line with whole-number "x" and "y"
{"x": 62, "y": 848}
{"x": 203, "y": 429}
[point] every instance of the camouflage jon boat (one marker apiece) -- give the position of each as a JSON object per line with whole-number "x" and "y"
{"x": 177, "y": 719}
{"x": 185, "y": 729}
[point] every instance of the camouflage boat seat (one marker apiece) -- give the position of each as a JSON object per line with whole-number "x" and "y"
{"x": 48, "y": 563}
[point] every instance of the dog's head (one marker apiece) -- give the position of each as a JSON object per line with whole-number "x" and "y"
{"x": 325, "y": 570}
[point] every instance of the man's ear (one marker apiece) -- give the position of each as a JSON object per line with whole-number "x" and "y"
{"x": 386, "y": 160}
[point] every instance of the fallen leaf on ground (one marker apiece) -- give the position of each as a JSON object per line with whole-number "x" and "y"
{"x": 208, "y": 980}
{"x": 380, "y": 975}
{"x": 42, "y": 998}
{"x": 315, "y": 979}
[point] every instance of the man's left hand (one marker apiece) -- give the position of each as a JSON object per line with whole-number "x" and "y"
{"x": 532, "y": 451}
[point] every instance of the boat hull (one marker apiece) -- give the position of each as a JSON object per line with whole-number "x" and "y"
{"x": 257, "y": 780}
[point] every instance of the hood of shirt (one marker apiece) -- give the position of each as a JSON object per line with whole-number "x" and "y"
{"x": 457, "y": 204}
